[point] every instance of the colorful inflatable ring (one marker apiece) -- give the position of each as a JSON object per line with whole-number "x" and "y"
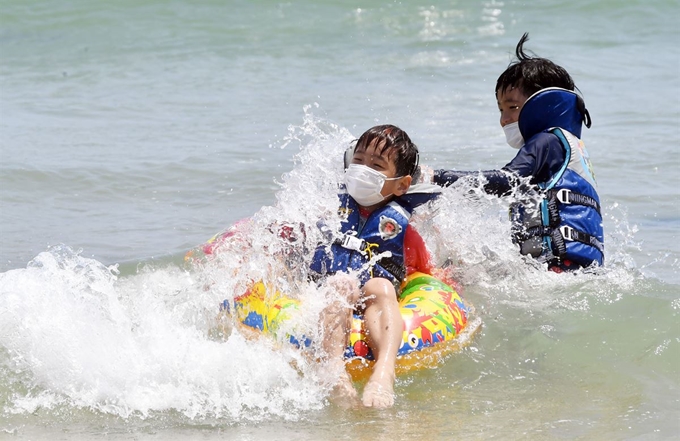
{"x": 435, "y": 323}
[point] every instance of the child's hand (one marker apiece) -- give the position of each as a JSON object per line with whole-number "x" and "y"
{"x": 426, "y": 175}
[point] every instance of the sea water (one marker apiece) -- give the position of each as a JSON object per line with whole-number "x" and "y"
{"x": 131, "y": 132}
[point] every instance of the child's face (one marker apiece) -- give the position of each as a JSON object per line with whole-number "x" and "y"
{"x": 384, "y": 163}
{"x": 510, "y": 102}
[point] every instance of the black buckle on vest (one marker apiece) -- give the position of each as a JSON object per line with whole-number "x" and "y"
{"x": 559, "y": 238}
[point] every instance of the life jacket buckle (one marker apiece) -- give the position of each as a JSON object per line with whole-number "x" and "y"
{"x": 353, "y": 243}
{"x": 563, "y": 195}
{"x": 567, "y": 232}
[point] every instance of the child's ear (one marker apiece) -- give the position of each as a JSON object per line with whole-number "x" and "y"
{"x": 403, "y": 185}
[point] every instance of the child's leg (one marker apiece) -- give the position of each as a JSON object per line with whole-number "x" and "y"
{"x": 336, "y": 320}
{"x": 385, "y": 328}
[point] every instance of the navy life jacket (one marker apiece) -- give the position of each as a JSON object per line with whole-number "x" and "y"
{"x": 374, "y": 248}
{"x": 567, "y": 224}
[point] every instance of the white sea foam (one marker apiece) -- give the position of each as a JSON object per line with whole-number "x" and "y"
{"x": 136, "y": 132}
{"x": 145, "y": 342}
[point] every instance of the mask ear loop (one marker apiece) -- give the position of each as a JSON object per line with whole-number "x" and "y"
{"x": 415, "y": 173}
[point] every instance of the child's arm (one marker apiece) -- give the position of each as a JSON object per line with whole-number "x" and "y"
{"x": 539, "y": 158}
{"x": 416, "y": 256}
{"x": 498, "y": 182}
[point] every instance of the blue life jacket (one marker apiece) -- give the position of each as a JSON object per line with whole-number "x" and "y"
{"x": 374, "y": 248}
{"x": 567, "y": 223}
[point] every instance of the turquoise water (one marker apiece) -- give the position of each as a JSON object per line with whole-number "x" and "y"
{"x": 132, "y": 131}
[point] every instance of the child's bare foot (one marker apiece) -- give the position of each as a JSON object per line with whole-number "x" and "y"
{"x": 378, "y": 393}
{"x": 343, "y": 392}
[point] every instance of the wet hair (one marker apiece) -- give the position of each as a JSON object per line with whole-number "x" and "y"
{"x": 531, "y": 73}
{"x": 392, "y": 140}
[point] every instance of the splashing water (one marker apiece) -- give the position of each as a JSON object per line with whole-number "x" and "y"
{"x": 136, "y": 346}
{"x": 81, "y": 335}
{"x": 77, "y": 333}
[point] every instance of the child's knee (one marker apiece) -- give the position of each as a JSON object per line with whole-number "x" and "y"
{"x": 380, "y": 289}
{"x": 346, "y": 286}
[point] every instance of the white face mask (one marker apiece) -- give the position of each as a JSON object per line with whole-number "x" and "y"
{"x": 513, "y": 136}
{"x": 364, "y": 184}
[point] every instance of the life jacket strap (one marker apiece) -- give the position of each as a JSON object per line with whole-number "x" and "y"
{"x": 570, "y": 234}
{"x": 537, "y": 231}
{"x": 559, "y": 237}
{"x": 351, "y": 242}
{"x": 398, "y": 271}
{"x": 568, "y": 197}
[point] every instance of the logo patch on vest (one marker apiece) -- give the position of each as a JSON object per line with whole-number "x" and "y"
{"x": 585, "y": 159}
{"x": 389, "y": 228}
{"x": 344, "y": 212}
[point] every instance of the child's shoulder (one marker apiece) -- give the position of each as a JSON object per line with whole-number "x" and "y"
{"x": 544, "y": 145}
{"x": 417, "y": 195}
{"x": 395, "y": 208}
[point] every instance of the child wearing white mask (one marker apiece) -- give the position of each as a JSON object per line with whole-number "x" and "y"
{"x": 541, "y": 116}
{"x": 364, "y": 261}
